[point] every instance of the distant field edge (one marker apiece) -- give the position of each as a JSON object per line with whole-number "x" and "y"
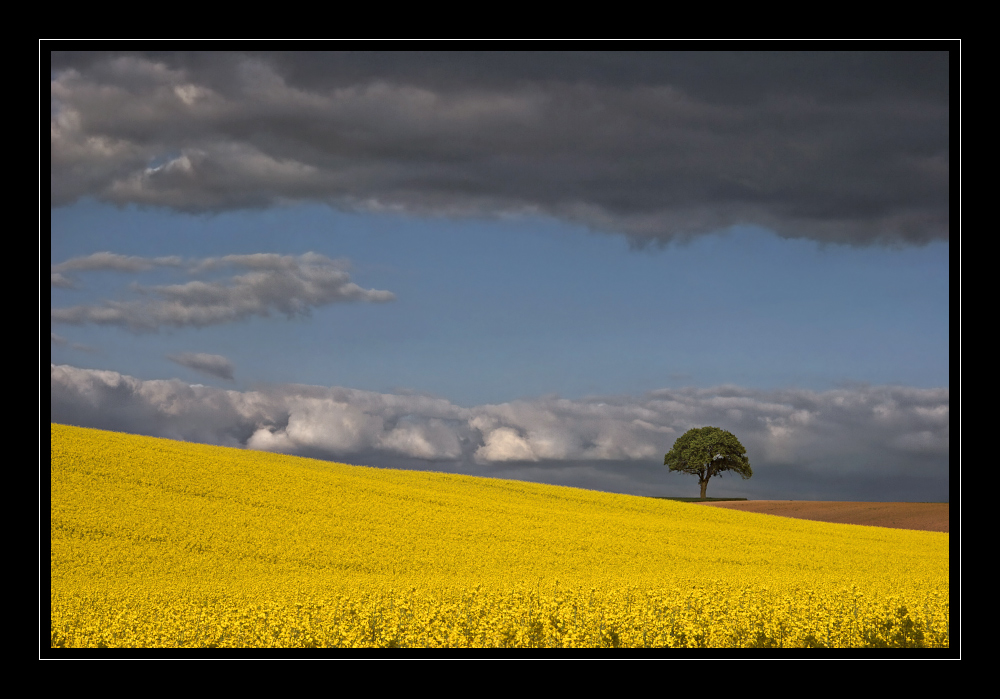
{"x": 662, "y": 497}
{"x": 921, "y": 516}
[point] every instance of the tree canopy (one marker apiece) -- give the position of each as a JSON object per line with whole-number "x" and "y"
{"x": 707, "y": 452}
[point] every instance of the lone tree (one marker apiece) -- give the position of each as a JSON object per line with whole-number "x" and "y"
{"x": 707, "y": 452}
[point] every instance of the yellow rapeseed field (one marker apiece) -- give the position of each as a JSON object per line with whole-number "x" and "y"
{"x": 157, "y": 543}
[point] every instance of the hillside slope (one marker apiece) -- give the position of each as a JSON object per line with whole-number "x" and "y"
{"x": 140, "y": 516}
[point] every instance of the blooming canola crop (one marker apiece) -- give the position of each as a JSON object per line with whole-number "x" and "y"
{"x": 157, "y": 543}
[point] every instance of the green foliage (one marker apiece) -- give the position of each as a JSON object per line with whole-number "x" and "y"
{"x": 707, "y": 452}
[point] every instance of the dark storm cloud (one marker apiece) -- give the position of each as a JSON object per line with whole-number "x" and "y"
{"x": 835, "y": 146}
{"x": 797, "y": 440}
{"x": 287, "y": 284}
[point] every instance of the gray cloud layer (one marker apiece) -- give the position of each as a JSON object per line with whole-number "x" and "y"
{"x": 210, "y": 364}
{"x": 835, "y": 146}
{"x": 861, "y": 433}
{"x": 272, "y": 283}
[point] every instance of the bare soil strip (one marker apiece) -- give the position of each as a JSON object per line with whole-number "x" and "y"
{"x": 924, "y": 516}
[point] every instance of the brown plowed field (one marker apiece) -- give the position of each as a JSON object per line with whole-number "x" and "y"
{"x": 926, "y": 516}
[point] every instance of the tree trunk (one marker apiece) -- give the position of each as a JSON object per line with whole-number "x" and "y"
{"x": 704, "y": 486}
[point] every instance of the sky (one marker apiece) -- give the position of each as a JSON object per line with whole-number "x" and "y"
{"x": 537, "y": 266}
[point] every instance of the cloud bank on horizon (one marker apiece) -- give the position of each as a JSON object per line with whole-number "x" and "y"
{"x": 840, "y": 147}
{"x": 862, "y": 432}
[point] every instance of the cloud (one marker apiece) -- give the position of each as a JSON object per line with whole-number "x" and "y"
{"x": 61, "y": 281}
{"x": 862, "y": 432}
{"x": 61, "y": 341}
{"x": 834, "y": 146}
{"x": 211, "y": 364}
{"x": 107, "y": 261}
{"x": 115, "y": 262}
{"x": 505, "y": 444}
{"x": 272, "y": 283}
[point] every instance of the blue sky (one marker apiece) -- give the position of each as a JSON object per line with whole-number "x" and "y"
{"x": 461, "y": 324}
{"x": 490, "y": 311}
